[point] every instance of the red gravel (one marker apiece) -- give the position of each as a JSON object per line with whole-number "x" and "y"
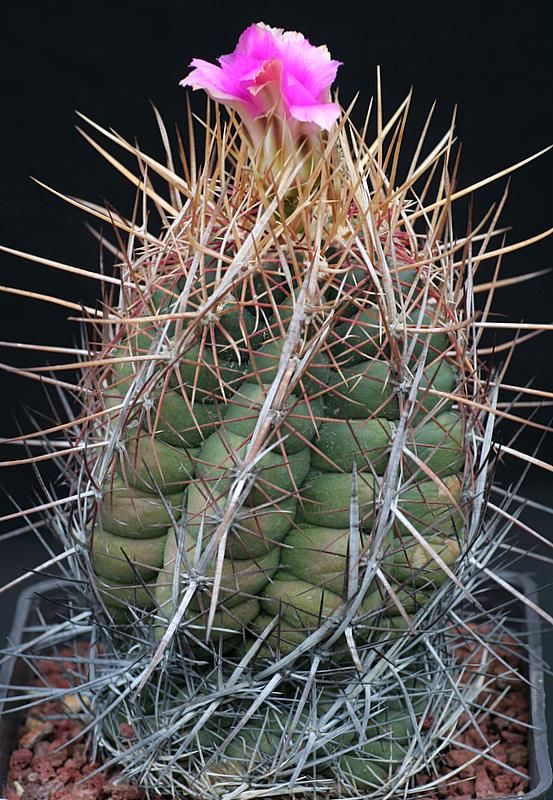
{"x": 487, "y": 778}
{"x": 45, "y": 767}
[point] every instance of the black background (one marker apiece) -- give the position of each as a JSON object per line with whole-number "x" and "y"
{"x": 492, "y": 60}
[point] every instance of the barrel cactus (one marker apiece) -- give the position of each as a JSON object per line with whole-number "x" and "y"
{"x": 278, "y": 489}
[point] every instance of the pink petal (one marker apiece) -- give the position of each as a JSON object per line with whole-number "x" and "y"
{"x": 259, "y": 41}
{"x": 217, "y": 83}
{"x": 322, "y": 114}
{"x": 308, "y": 65}
{"x": 240, "y": 68}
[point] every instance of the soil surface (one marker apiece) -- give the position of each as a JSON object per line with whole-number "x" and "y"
{"x": 48, "y": 764}
{"x": 504, "y": 772}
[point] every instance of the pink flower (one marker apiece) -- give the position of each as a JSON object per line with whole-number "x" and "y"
{"x": 273, "y": 76}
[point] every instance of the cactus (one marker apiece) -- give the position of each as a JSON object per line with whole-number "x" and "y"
{"x": 280, "y": 469}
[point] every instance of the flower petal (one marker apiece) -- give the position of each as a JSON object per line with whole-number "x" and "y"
{"x": 259, "y": 41}
{"x": 322, "y": 114}
{"x": 310, "y": 66}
